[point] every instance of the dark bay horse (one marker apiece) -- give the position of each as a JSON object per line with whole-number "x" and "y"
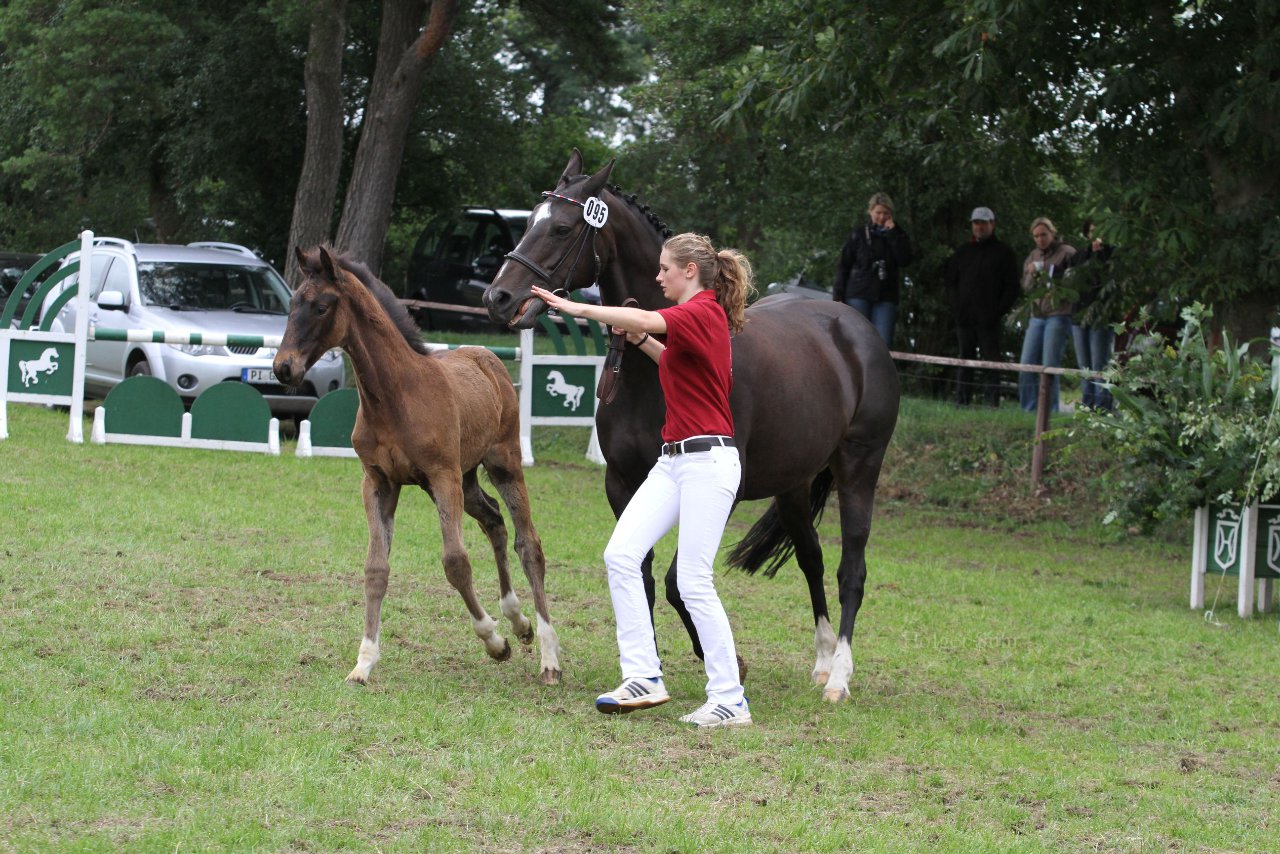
{"x": 427, "y": 420}
{"x": 815, "y": 398}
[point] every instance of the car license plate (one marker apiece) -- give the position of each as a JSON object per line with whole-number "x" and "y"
{"x": 258, "y": 376}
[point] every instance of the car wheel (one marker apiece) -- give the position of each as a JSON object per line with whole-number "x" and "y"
{"x": 140, "y": 368}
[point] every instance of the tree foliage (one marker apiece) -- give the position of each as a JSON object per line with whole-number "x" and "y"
{"x": 1158, "y": 119}
{"x": 142, "y": 120}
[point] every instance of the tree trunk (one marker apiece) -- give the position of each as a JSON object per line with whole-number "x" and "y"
{"x": 313, "y": 203}
{"x": 404, "y": 51}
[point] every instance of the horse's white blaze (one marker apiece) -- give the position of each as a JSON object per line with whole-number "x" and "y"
{"x": 541, "y": 212}
{"x": 368, "y": 657}
{"x": 486, "y": 629}
{"x": 841, "y": 670}
{"x": 548, "y": 645}
{"x": 824, "y": 640}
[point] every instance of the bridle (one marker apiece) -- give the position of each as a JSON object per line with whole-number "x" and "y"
{"x": 575, "y": 249}
{"x": 611, "y": 373}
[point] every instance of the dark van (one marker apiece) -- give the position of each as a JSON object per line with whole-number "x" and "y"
{"x": 455, "y": 259}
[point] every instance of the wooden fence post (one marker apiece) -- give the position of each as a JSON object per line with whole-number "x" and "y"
{"x": 1042, "y": 424}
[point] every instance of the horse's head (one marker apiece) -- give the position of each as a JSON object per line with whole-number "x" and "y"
{"x": 316, "y": 323}
{"x": 559, "y": 250}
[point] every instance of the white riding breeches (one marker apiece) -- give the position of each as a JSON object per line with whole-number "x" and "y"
{"x": 696, "y": 492}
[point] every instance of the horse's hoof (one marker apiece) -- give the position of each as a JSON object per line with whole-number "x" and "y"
{"x": 742, "y": 671}
{"x": 820, "y": 677}
{"x": 550, "y": 677}
{"x": 835, "y": 695}
{"x": 502, "y": 654}
{"x": 357, "y": 678}
{"x": 526, "y": 638}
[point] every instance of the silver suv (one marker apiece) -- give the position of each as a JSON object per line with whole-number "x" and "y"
{"x": 200, "y": 287}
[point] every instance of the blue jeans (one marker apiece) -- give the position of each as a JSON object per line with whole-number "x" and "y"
{"x": 1093, "y": 352}
{"x": 1044, "y": 343}
{"x": 881, "y": 314}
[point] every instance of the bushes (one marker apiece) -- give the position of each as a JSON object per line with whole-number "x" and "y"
{"x": 1194, "y": 424}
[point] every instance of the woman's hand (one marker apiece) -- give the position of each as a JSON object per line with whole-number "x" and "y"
{"x": 559, "y": 303}
{"x": 632, "y": 337}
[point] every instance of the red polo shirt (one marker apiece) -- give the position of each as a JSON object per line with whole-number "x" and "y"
{"x": 696, "y": 369}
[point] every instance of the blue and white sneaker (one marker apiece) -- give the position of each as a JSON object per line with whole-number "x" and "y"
{"x": 719, "y": 714}
{"x": 632, "y": 694}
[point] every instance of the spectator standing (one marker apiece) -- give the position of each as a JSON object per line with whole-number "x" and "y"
{"x": 1050, "y": 321}
{"x": 981, "y": 278}
{"x": 869, "y": 271}
{"x": 1092, "y": 329}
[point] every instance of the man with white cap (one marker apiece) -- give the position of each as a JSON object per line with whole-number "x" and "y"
{"x": 981, "y": 278}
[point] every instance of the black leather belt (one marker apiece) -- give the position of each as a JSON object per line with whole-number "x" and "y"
{"x": 700, "y": 443}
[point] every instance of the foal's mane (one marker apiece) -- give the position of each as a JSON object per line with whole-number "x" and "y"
{"x": 395, "y": 309}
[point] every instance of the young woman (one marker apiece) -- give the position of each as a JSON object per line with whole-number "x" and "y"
{"x": 696, "y": 477}
{"x": 1049, "y": 326}
{"x": 871, "y": 262}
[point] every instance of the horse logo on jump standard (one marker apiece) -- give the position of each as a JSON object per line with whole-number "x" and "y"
{"x": 558, "y": 387}
{"x": 32, "y": 368}
{"x": 1226, "y": 544}
{"x": 1273, "y": 544}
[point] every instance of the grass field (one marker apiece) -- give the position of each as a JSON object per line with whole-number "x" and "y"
{"x": 178, "y": 625}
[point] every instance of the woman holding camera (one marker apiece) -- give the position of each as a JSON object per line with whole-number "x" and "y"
{"x": 1049, "y": 326}
{"x": 869, "y": 270}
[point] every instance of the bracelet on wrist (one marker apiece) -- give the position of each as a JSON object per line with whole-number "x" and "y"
{"x": 643, "y": 339}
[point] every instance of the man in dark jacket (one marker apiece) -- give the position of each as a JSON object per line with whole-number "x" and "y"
{"x": 982, "y": 285}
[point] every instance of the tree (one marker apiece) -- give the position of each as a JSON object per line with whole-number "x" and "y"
{"x": 1158, "y": 115}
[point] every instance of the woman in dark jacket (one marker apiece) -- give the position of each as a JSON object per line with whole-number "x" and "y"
{"x": 868, "y": 275}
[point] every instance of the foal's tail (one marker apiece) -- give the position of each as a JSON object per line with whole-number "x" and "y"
{"x": 768, "y": 540}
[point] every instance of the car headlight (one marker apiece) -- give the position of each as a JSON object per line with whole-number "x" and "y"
{"x": 331, "y": 355}
{"x": 196, "y": 349}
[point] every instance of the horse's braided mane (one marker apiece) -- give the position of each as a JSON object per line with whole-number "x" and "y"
{"x": 654, "y": 220}
{"x": 395, "y": 309}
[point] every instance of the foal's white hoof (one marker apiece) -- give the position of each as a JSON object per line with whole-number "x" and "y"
{"x": 499, "y": 653}
{"x": 355, "y": 677}
{"x": 550, "y": 677}
{"x": 835, "y": 695}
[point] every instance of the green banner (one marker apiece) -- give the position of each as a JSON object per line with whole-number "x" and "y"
{"x": 1226, "y": 544}
{"x": 564, "y": 391}
{"x": 41, "y": 367}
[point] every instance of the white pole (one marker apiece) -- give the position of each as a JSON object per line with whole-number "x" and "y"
{"x": 526, "y": 397}
{"x": 1199, "y": 556}
{"x": 1249, "y": 545}
{"x": 84, "y": 283}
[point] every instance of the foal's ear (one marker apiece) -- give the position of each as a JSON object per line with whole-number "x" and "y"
{"x": 328, "y": 264}
{"x": 573, "y": 169}
{"x": 302, "y": 257}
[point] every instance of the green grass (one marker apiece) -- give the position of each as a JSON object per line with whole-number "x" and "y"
{"x": 178, "y": 625}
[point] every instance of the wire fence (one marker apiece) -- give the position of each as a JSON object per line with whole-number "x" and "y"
{"x": 1039, "y": 452}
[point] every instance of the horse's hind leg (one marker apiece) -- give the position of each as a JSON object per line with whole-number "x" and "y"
{"x": 856, "y": 468}
{"x": 446, "y": 490}
{"x": 508, "y": 478}
{"x": 380, "y": 499}
{"x": 795, "y": 513}
{"x": 481, "y": 507}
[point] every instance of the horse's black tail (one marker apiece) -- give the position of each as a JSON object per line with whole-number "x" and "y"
{"x": 768, "y": 541}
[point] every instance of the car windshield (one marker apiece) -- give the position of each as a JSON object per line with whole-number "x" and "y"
{"x": 194, "y": 287}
